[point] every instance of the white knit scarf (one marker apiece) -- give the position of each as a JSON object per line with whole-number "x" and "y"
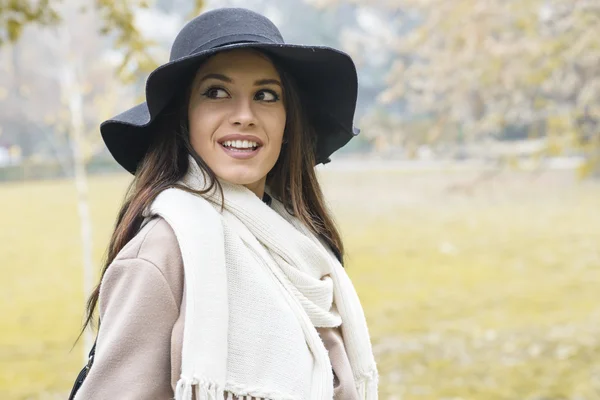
{"x": 315, "y": 285}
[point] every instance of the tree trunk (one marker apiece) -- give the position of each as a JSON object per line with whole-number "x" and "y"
{"x": 72, "y": 92}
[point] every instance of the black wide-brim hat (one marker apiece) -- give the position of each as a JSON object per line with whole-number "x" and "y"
{"x": 327, "y": 78}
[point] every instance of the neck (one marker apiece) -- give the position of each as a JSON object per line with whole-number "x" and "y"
{"x": 197, "y": 179}
{"x": 258, "y": 188}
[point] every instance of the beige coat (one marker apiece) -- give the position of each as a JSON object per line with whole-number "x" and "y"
{"x": 138, "y": 353}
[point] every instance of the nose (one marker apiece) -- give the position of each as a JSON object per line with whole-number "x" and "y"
{"x": 242, "y": 114}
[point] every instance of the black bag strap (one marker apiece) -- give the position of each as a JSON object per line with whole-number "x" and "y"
{"x": 84, "y": 372}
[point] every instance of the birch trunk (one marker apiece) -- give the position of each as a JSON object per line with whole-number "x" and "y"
{"x": 71, "y": 88}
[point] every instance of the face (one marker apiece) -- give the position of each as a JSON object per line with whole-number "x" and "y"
{"x": 237, "y": 116}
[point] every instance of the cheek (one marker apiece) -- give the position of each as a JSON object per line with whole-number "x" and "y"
{"x": 202, "y": 127}
{"x": 278, "y": 126}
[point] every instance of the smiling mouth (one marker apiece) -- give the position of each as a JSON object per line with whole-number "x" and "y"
{"x": 240, "y": 145}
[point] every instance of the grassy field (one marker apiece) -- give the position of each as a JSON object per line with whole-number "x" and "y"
{"x": 488, "y": 294}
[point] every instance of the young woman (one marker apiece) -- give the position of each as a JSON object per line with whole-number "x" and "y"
{"x": 224, "y": 276}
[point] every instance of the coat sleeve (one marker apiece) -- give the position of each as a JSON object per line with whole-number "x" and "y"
{"x": 137, "y": 314}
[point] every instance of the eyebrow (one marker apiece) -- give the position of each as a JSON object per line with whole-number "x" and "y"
{"x": 267, "y": 82}
{"x": 227, "y": 79}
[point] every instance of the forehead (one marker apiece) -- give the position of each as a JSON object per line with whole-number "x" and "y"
{"x": 239, "y": 62}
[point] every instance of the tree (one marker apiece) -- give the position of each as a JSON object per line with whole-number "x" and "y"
{"x": 482, "y": 66}
{"x": 15, "y": 14}
{"x": 70, "y": 57}
{"x": 117, "y": 18}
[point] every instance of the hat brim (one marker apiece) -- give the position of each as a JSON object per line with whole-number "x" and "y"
{"x": 327, "y": 77}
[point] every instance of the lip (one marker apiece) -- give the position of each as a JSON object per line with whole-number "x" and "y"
{"x": 240, "y": 154}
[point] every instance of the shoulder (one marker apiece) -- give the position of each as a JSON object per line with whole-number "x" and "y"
{"x": 155, "y": 246}
{"x": 153, "y": 242}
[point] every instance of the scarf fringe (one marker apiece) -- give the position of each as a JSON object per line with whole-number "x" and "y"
{"x": 187, "y": 388}
{"x": 203, "y": 390}
{"x": 367, "y": 385}
{"x": 367, "y": 389}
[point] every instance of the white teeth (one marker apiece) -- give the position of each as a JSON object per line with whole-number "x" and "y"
{"x": 240, "y": 144}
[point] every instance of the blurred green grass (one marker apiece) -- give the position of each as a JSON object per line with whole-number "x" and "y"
{"x": 492, "y": 295}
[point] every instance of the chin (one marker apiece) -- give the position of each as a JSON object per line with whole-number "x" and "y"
{"x": 240, "y": 180}
{"x": 242, "y": 177}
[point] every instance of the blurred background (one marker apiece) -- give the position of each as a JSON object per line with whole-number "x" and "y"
{"x": 469, "y": 203}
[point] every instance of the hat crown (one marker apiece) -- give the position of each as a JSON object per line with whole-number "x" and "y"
{"x": 221, "y": 27}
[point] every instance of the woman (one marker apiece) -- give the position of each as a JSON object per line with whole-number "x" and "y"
{"x": 224, "y": 275}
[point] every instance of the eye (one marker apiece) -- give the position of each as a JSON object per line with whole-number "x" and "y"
{"x": 266, "y": 95}
{"x": 215, "y": 93}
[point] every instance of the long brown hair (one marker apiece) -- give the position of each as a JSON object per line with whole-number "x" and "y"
{"x": 292, "y": 180}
